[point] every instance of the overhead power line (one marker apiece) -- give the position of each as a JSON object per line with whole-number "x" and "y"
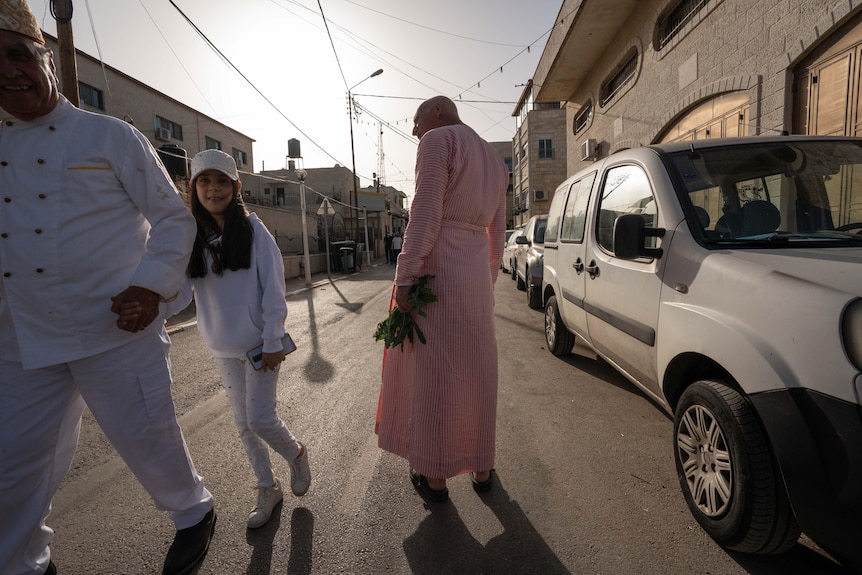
{"x": 250, "y": 83}
{"x": 434, "y": 29}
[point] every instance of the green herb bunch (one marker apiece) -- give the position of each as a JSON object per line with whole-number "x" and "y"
{"x": 399, "y": 326}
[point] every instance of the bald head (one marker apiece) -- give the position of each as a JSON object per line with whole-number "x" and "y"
{"x": 434, "y": 113}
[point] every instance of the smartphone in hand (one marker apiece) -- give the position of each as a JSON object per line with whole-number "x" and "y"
{"x": 255, "y": 355}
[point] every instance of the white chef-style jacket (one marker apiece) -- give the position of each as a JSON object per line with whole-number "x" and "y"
{"x": 241, "y": 309}
{"x": 85, "y": 212}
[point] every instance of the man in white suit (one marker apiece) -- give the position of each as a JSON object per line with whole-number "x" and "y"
{"x": 90, "y": 225}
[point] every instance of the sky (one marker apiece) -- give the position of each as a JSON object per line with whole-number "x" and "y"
{"x": 276, "y": 69}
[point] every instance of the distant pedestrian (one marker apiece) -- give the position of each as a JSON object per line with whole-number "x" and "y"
{"x": 397, "y": 242}
{"x": 95, "y": 240}
{"x": 438, "y": 400}
{"x": 237, "y": 273}
{"x": 387, "y": 247}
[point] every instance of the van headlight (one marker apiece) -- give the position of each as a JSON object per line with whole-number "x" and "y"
{"x": 851, "y": 332}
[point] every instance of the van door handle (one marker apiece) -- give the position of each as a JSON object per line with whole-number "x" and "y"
{"x": 593, "y": 269}
{"x": 578, "y": 265}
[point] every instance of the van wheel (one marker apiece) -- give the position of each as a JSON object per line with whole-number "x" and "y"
{"x": 534, "y": 294}
{"x": 559, "y": 339}
{"x": 521, "y": 285}
{"x": 727, "y": 473}
{"x": 514, "y": 273}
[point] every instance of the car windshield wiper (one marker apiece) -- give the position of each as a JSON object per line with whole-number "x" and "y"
{"x": 809, "y": 236}
{"x": 791, "y": 237}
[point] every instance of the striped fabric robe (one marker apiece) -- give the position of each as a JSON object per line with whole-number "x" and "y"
{"x": 438, "y": 401}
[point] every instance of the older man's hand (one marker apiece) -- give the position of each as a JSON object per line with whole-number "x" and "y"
{"x": 136, "y": 307}
{"x": 402, "y": 294}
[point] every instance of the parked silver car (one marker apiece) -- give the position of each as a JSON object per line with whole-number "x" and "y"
{"x": 724, "y": 279}
{"x": 507, "y": 264}
{"x": 528, "y": 259}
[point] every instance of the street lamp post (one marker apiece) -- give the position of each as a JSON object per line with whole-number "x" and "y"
{"x": 302, "y": 174}
{"x": 367, "y": 247}
{"x": 325, "y": 207}
{"x": 355, "y": 202}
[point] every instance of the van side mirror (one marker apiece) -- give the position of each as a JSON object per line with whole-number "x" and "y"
{"x": 522, "y": 240}
{"x": 630, "y": 235}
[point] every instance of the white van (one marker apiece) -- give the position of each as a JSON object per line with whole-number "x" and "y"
{"x": 724, "y": 279}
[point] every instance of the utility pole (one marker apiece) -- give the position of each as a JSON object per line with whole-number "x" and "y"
{"x": 62, "y": 11}
{"x": 354, "y": 208}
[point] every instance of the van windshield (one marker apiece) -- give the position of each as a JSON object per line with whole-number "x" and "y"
{"x": 774, "y": 194}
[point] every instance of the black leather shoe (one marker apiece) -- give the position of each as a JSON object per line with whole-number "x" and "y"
{"x": 483, "y": 486}
{"x": 190, "y": 547}
{"x": 420, "y": 482}
{"x": 52, "y": 569}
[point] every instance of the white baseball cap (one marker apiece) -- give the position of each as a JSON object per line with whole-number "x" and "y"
{"x": 214, "y": 160}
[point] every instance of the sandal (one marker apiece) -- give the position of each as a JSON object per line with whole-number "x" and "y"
{"x": 420, "y": 482}
{"x": 482, "y": 486}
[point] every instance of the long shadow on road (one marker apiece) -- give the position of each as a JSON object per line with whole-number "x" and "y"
{"x": 443, "y": 544}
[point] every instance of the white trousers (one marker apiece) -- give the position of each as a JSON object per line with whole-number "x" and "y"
{"x": 252, "y": 396}
{"x": 128, "y": 390}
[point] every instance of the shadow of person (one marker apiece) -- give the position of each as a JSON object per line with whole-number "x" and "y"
{"x": 519, "y": 548}
{"x": 301, "y": 537}
{"x": 301, "y": 541}
{"x": 443, "y": 544}
{"x": 261, "y": 541}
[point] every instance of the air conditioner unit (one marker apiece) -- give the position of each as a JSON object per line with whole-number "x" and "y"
{"x": 540, "y": 195}
{"x": 163, "y": 134}
{"x": 589, "y": 150}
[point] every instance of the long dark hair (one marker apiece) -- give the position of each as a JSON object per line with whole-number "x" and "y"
{"x": 237, "y": 237}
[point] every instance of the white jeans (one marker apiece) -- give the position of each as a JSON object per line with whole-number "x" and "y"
{"x": 252, "y": 396}
{"x": 128, "y": 390}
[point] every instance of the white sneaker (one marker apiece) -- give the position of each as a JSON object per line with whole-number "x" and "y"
{"x": 300, "y": 473}
{"x": 267, "y": 499}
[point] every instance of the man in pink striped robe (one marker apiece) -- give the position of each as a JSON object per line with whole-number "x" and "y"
{"x": 438, "y": 401}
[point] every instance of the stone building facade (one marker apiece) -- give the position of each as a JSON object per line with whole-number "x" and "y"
{"x": 538, "y": 155}
{"x": 632, "y": 73}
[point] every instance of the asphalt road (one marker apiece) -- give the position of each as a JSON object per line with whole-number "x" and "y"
{"x": 587, "y": 483}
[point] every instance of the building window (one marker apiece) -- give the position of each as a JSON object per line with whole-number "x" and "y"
{"x": 582, "y": 118}
{"x": 509, "y": 164}
{"x": 165, "y": 129}
{"x": 211, "y": 143}
{"x": 614, "y": 84}
{"x": 546, "y": 149}
{"x": 91, "y": 96}
{"x": 546, "y": 106}
{"x": 240, "y": 157}
{"x": 676, "y": 18}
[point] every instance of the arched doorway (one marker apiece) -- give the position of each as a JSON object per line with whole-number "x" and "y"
{"x": 723, "y": 116}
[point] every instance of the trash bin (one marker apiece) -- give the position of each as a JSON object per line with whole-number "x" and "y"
{"x": 347, "y": 263}
{"x": 344, "y": 256}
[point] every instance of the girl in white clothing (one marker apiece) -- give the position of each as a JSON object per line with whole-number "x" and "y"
{"x": 237, "y": 275}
